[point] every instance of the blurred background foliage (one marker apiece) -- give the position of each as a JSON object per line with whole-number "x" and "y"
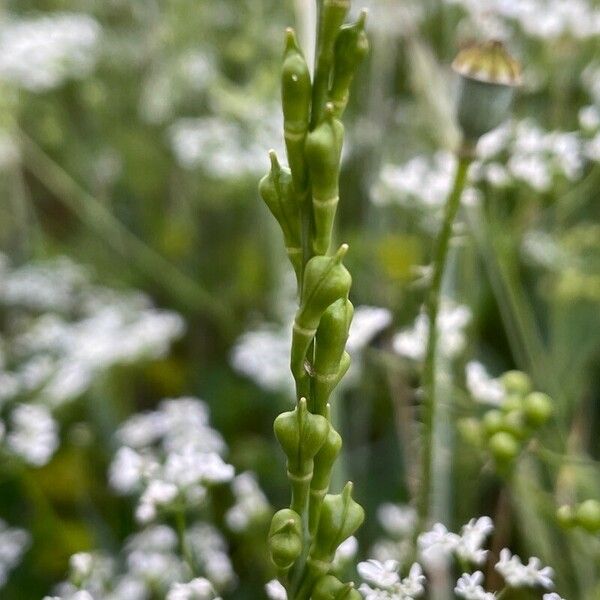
{"x": 141, "y": 162}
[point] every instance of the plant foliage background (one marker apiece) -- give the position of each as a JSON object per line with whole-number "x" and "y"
{"x": 132, "y": 136}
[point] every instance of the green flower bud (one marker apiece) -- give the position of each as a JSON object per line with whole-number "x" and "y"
{"x": 296, "y": 92}
{"x": 492, "y": 422}
{"x": 301, "y": 435}
{"x": 488, "y": 76}
{"x": 565, "y": 516}
{"x": 276, "y": 191}
{"x": 514, "y": 423}
{"x": 323, "y": 466}
{"x": 331, "y": 338}
{"x": 471, "y": 431}
{"x": 351, "y": 47}
{"x": 331, "y": 588}
{"x": 341, "y": 516}
{"x": 512, "y": 402}
{"x": 332, "y": 16}
{"x": 516, "y": 382}
{"x": 587, "y": 515}
{"x": 538, "y": 408}
{"x": 504, "y": 447}
{"x": 325, "y": 281}
{"x": 324, "y": 153}
{"x": 285, "y": 538}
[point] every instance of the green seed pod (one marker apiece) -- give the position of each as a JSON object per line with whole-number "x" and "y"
{"x": 323, "y": 154}
{"x": 330, "y": 342}
{"x": 565, "y": 516}
{"x": 488, "y": 76}
{"x": 323, "y": 466}
{"x": 513, "y": 401}
{"x": 341, "y": 516}
{"x": 492, "y": 422}
{"x": 516, "y": 382}
{"x": 285, "y": 538}
{"x": 331, "y": 588}
{"x": 351, "y": 47}
{"x": 587, "y": 515}
{"x": 514, "y": 423}
{"x": 301, "y": 435}
{"x": 504, "y": 447}
{"x": 325, "y": 281}
{"x": 471, "y": 431}
{"x": 296, "y": 92}
{"x": 538, "y": 408}
{"x": 324, "y": 386}
{"x": 276, "y": 190}
{"x": 332, "y": 16}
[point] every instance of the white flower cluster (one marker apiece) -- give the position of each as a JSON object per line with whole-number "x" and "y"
{"x": 262, "y": 354}
{"x": 225, "y": 148}
{"x": 169, "y": 456}
{"x": 545, "y": 19}
{"x": 452, "y": 321}
{"x": 149, "y": 564}
{"x": 13, "y": 544}
{"x": 64, "y": 331}
{"x": 482, "y": 387}
{"x": 250, "y": 502}
{"x": 40, "y": 53}
{"x": 436, "y": 547}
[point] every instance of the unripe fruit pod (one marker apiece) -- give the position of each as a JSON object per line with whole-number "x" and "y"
{"x": 538, "y": 408}
{"x": 324, "y": 153}
{"x": 516, "y": 382}
{"x": 324, "y": 386}
{"x": 285, "y": 538}
{"x": 323, "y": 466}
{"x": 341, "y": 516}
{"x": 275, "y": 189}
{"x": 512, "y": 402}
{"x": 325, "y": 281}
{"x": 331, "y": 588}
{"x": 488, "y": 76}
{"x": 493, "y": 421}
{"x": 514, "y": 423}
{"x": 296, "y": 92}
{"x": 504, "y": 447}
{"x": 565, "y": 516}
{"x": 351, "y": 47}
{"x": 301, "y": 435}
{"x": 471, "y": 431}
{"x": 587, "y": 515}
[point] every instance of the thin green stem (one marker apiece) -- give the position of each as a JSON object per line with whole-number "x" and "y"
{"x": 433, "y": 307}
{"x": 183, "y": 541}
{"x": 98, "y": 218}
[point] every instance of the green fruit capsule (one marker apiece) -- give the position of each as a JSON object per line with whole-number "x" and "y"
{"x": 330, "y": 342}
{"x": 516, "y": 382}
{"x": 331, "y": 588}
{"x": 296, "y": 92}
{"x": 331, "y": 18}
{"x": 341, "y": 516}
{"x": 488, "y": 76}
{"x": 301, "y": 435}
{"x": 587, "y": 515}
{"x": 324, "y": 386}
{"x": 276, "y": 190}
{"x": 538, "y": 408}
{"x": 323, "y": 466}
{"x": 326, "y": 280}
{"x": 504, "y": 447}
{"x": 514, "y": 423}
{"x": 323, "y": 154}
{"x": 471, "y": 431}
{"x": 351, "y": 47}
{"x": 512, "y": 402}
{"x": 285, "y": 538}
{"x": 565, "y": 516}
{"x": 492, "y": 422}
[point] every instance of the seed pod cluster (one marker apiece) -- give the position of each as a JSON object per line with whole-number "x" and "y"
{"x": 585, "y": 515}
{"x": 504, "y": 431}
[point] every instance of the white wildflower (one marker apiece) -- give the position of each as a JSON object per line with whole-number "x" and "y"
{"x": 397, "y": 520}
{"x": 33, "y": 435}
{"x": 197, "y": 589}
{"x": 483, "y": 388}
{"x": 516, "y": 574}
{"x": 275, "y": 591}
{"x": 469, "y": 587}
{"x": 13, "y": 543}
{"x": 251, "y": 503}
{"x": 473, "y": 536}
{"x": 437, "y": 544}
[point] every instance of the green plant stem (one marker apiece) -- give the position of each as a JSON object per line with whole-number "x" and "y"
{"x": 183, "y": 542}
{"x": 433, "y": 307}
{"x": 99, "y": 219}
